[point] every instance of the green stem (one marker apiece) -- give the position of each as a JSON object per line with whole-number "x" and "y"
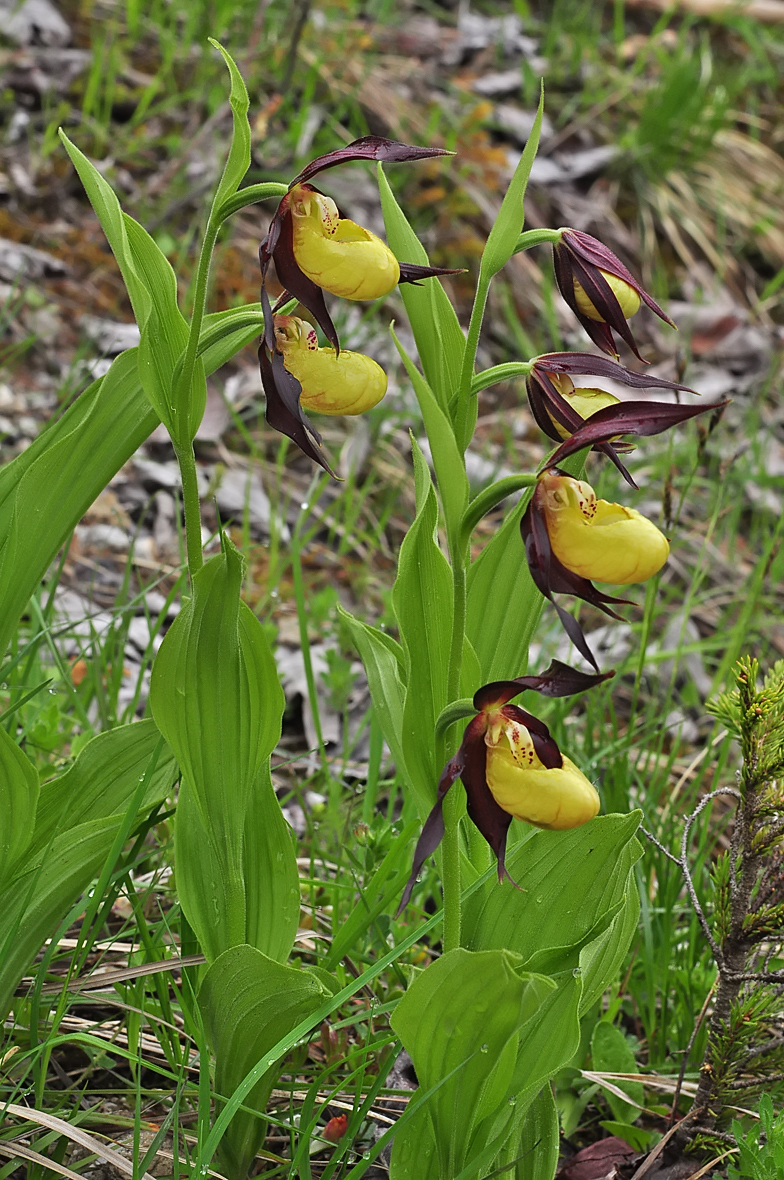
{"x": 463, "y": 431}
{"x": 535, "y": 237}
{"x": 190, "y": 501}
{"x": 450, "y": 863}
{"x": 181, "y": 395}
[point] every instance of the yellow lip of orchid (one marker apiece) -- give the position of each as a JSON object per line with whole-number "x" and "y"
{"x": 337, "y": 254}
{"x": 628, "y": 299}
{"x": 555, "y": 798}
{"x": 596, "y": 539}
{"x": 586, "y": 401}
{"x": 350, "y": 383}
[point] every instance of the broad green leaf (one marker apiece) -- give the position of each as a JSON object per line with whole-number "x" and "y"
{"x": 101, "y": 781}
{"x": 238, "y": 160}
{"x": 216, "y": 698}
{"x": 272, "y": 891}
{"x": 504, "y": 605}
{"x": 383, "y": 659}
{"x": 502, "y": 239}
{"x": 47, "y": 489}
{"x": 570, "y": 882}
{"x": 547, "y": 1041}
{"x": 447, "y": 460}
{"x": 463, "y": 1013}
{"x": 109, "y": 213}
{"x": 224, "y": 333}
{"x": 422, "y": 599}
{"x": 18, "y": 799}
{"x": 439, "y": 338}
{"x": 249, "y": 1003}
{"x": 539, "y": 1142}
{"x": 612, "y": 1053}
{"x": 603, "y": 958}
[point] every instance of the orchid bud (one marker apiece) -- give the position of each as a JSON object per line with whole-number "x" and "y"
{"x": 337, "y": 254}
{"x": 596, "y": 539}
{"x": 350, "y": 383}
{"x": 556, "y": 798}
{"x": 628, "y": 299}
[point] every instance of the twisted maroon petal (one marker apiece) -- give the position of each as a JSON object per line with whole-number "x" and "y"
{"x": 634, "y": 417}
{"x": 595, "y": 253}
{"x": 369, "y": 147}
{"x": 412, "y": 272}
{"x": 280, "y": 247}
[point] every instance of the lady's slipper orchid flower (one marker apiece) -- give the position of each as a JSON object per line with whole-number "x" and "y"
{"x": 332, "y": 383}
{"x": 599, "y": 289}
{"x": 561, "y": 411}
{"x": 511, "y": 768}
{"x": 309, "y": 241}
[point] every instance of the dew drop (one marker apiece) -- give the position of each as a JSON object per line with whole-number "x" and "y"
{"x": 273, "y": 594}
{"x": 513, "y": 1100}
{"x": 485, "y": 1049}
{"x": 577, "y": 972}
{"x": 304, "y": 505}
{"x": 366, "y": 1155}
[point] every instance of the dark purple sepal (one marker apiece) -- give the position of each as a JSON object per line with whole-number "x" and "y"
{"x": 550, "y": 577}
{"x": 558, "y": 680}
{"x": 411, "y": 272}
{"x": 588, "y": 363}
{"x": 635, "y": 417}
{"x": 369, "y": 147}
{"x": 601, "y": 295}
{"x": 547, "y": 402}
{"x": 283, "y": 412}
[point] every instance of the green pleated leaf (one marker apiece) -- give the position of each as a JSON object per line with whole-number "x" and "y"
{"x": 18, "y": 799}
{"x": 216, "y": 698}
{"x": 612, "y": 1053}
{"x": 539, "y": 1142}
{"x": 383, "y": 660}
{"x": 447, "y": 459}
{"x": 102, "y": 780}
{"x": 272, "y": 891}
{"x": 224, "y": 333}
{"x": 602, "y": 959}
{"x": 48, "y": 488}
{"x": 572, "y": 884}
{"x": 249, "y": 1003}
{"x": 547, "y": 1041}
{"x": 422, "y": 598}
{"x": 439, "y": 338}
{"x": 78, "y": 818}
{"x": 461, "y": 1017}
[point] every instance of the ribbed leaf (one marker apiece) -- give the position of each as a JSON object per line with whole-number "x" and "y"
{"x": 238, "y": 160}
{"x": 249, "y": 1002}
{"x": 422, "y": 598}
{"x": 463, "y": 1014}
{"x": 216, "y": 698}
{"x": 18, "y": 799}
{"x": 439, "y": 338}
{"x": 270, "y": 874}
{"x": 383, "y": 659}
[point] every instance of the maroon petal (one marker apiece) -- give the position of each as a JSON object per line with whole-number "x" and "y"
{"x": 545, "y": 744}
{"x": 483, "y": 811}
{"x": 369, "y": 147}
{"x": 550, "y": 577}
{"x": 606, "y": 303}
{"x": 559, "y": 680}
{"x": 412, "y": 272}
{"x": 635, "y": 417}
{"x": 433, "y": 829}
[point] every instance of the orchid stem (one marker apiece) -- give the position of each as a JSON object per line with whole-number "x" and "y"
{"x": 190, "y": 502}
{"x": 450, "y": 863}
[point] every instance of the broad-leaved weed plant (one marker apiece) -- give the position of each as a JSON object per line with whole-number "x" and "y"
{"x": 539, "y": 898}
